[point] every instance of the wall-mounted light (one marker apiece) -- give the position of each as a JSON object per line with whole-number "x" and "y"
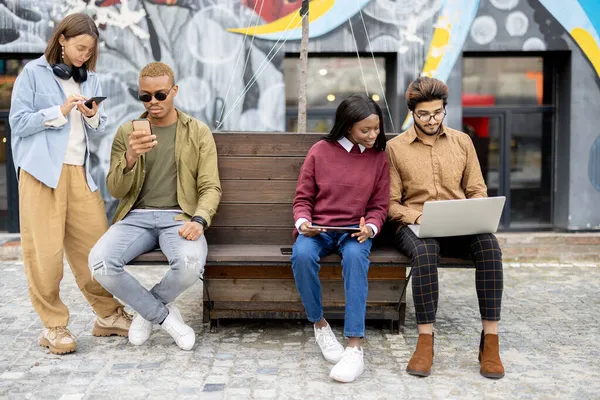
{"x": 330, "y": 97}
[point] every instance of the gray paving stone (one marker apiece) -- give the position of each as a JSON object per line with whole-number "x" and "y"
{"x": 548, "y": 334}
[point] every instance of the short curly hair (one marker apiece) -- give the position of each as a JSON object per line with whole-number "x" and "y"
{"x": 155, "y": 69}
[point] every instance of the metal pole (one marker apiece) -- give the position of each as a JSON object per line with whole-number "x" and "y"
{"x": 303, "y": 68}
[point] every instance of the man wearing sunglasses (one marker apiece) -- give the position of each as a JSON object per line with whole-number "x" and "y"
{"x": 167, "y": 181}
{"x": 433, "y": 162}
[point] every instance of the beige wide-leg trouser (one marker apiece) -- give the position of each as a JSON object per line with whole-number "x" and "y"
{"x": 69, "y": 219}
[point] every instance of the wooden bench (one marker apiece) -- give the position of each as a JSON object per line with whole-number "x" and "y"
{"x": 246, "y": 274}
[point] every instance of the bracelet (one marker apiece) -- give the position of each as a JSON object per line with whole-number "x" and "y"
{"x": 200, "y": 220}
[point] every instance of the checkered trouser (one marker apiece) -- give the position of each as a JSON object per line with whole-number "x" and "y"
{"x": 483, "y": 249}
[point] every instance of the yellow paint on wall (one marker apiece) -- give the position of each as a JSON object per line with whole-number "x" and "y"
{"x": 317, "y": 8}
{"x": 441, "y": 38}
{"x": 589, "y": 46}
{"x": 439, "y": 42}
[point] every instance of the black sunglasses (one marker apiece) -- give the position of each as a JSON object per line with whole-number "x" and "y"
{"x": 160, "y": 96}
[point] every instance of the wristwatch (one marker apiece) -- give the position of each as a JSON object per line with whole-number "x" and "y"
{"x": 200, "y": 220}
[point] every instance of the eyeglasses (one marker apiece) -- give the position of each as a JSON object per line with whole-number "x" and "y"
{"x": 160, "y": 96}
{"x": 427, "y": 117}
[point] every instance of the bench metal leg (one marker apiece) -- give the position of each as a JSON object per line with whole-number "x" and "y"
{"x": 404, "y": 291}
{"x": 213, "y": 325}
{"x": 401, "y": 317}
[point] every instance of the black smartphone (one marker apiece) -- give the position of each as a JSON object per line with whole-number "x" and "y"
{"x": 98, "y": 100}
{"x": 286, "y": 251}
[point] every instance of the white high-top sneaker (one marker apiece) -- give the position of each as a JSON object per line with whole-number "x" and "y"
{"x": 350, "y": 367}
{"x": 332, "y": 349}
{"x": 184, "y": 335}
{"x": 139, "y": 331}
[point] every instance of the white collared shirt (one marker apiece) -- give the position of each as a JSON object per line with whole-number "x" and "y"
{"x": 347, "y": 144}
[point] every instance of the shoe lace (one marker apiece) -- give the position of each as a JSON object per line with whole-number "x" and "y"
{"x": 121, "y": 313}
{"x": 61, "y": 332}
{"x": 351, "y": 355}
{"x": 329, "y": 339}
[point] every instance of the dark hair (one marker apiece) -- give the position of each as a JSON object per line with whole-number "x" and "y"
{"x": 425, "y": 89}
{"x": 354, "y": 109}
{"x": 71, "y": 26}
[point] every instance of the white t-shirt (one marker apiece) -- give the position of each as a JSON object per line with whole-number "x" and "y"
{"x": 75, "y": 154}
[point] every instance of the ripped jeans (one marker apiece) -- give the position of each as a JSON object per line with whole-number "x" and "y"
{"x": 138, "y": 233}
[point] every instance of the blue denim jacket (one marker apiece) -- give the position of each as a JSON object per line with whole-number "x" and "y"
{"x": 39, "y": 149}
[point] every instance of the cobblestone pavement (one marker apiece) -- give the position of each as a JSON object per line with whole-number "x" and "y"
{"x": 549, "y": 344}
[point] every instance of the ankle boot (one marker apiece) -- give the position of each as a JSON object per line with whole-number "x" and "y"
{"x": 489, "y": 357}
{"x": 422, "y": 359}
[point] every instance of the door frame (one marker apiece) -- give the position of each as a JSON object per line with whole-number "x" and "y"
{"x": 504, "y": 113}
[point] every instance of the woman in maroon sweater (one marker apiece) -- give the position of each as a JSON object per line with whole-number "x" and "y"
{"x": 344, "y": 181}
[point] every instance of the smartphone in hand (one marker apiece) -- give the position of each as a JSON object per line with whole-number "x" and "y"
{"x": 98, "y": 100}
{"x": 142, "y": 124}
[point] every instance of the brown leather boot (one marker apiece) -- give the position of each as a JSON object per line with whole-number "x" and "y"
{"x": 489, "y": 357}
{"x": 421, "y": 360}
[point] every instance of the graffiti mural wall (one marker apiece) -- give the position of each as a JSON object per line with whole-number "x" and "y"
{"x": 228, "y": 54}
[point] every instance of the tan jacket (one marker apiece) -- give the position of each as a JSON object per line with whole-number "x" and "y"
{"x": 198, "y": 184}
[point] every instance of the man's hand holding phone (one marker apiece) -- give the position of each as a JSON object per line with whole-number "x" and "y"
{"x": 140, "y": 141}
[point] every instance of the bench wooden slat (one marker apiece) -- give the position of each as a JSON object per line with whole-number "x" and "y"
{"x": 284, "y": 290}
{"x": 272, "y": 235}
{"x": 258, "y": 191}
{"x": 271, "y": 254}
{"x": 255, "y": 215}
{"x": 380, "y": 272}
{"x": 264, "y": 144}
{"x": 262, "y": 168}
{"x": 249, "y": 235}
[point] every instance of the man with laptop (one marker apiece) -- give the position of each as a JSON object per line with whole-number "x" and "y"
{"x": 432, "y": 163}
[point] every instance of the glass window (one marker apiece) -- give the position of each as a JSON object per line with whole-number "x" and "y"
{"x": 504, "y": 81}
{"x": 3, "y": 176}
{"x": 330, "y": 81}
{"x": 9, "y": 70}
{"x": 495, "y": 89}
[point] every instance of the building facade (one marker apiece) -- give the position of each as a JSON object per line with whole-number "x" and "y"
{"x": 524, "y": 78}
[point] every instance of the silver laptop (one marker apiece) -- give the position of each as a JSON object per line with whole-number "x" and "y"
{"x": 459, "y": 217}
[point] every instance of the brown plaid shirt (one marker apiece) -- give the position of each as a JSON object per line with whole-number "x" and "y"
{"x": 448, "y": 170}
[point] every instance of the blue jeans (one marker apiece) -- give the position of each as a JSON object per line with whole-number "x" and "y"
{"x": 306, "y": 253}
{"x": 138, "y": 233}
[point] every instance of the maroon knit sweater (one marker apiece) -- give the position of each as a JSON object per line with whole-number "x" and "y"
{"x": 337, "y": 188}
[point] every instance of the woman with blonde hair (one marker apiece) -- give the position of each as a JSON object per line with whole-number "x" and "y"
{"x": 61, "y": 210}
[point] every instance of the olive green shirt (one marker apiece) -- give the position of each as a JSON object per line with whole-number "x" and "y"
{"x": 159, "y": 190}
{"x": 198, "y": 184}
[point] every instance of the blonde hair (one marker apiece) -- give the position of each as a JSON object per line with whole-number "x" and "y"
{"x": 71, "y": 26}
{"x": 157, "y": 68}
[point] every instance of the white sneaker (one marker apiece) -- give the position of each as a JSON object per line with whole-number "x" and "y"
{"x": 184, "y": 335}
{"x": 350, "y": 367}
{"x": 139, "y": 331}
{"x": 332, "y": 349}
